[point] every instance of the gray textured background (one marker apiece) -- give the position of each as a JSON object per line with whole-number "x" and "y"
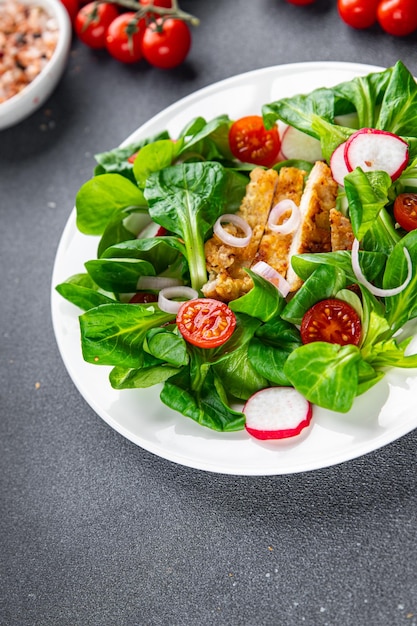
{"x": 96, "y": 531}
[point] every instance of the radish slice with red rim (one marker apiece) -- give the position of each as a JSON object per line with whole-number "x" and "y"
{"x": 298, "y": 145}
{"x": 338, "y": 165}
{"x": 231, "y": 240}
{"x": 269, "y": 273}
{"x": 289, "y": 225}
{"x": 277, "y": 413}
{"x": 377, "y": 291}
{"x": 166, "y": 297}
{"x": 372, "y": 149}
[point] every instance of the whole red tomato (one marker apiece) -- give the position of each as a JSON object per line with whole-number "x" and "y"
{"x": 358, "y": 13}
{"x": 166, "y": 43}
{"x": 92, "y": 22}
{"x": 72, "y": 6}
{"x": 124, "y": 38}
{"x": 398, "y": 17}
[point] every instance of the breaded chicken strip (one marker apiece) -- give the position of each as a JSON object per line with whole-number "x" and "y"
{"x": 225, "y": 264}
{"x": 313, "y": 235}
{"x": 341, "y": 231}
{"x": 274, "y": 247}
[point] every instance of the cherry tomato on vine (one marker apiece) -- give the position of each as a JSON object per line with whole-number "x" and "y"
{"x": 358, "y": 13}
{"x": 251, "y": 142}
{"x": 164, "y": 4}
{"x": 333, "y": 321}
{"x": 124, "y": 38}
{"x": 398, "y": 17}
{"x": 92, "y": 22}
{"x": 206, "y": 323}
{"x": 72, "y": 7}
{"x": 405, "y": 210}
{"x": 166, "y": 43}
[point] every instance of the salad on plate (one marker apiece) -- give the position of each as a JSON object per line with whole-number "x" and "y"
{"x": 258, "y": 267}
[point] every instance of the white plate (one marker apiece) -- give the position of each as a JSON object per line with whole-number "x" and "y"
{"x": 384, "y": 414}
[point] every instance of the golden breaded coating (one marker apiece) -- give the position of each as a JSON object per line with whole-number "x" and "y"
{"x": 274, "y": 247}
{"x": 313, "y": 235}
{"x": 341, "y": 231}
{"x": 225, "y": 264}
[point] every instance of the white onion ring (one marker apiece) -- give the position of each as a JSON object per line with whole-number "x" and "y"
{"x": 377, "y": 291}
{"x": 289, "y": 225}
{"x": 231, "y": 240}
{"x": 156, "y": 283}
{"x": 274, "y": 277}
{"x": 165, "y": 296}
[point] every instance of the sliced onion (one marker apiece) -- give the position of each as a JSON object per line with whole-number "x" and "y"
{"x": 291, "y": 224}
{"x": 231, "y": 240}
{"x": 377, "y": 291}
{"x": 274, "y": 277}
{"x": 155, "y": 283}
{"x": 167, "y": 304}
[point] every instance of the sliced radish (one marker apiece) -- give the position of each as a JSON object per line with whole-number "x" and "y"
{"x": 277, "y": 413}
{"x": 152, "y": 230}
{"x": 373, "y": 149}
{"x": 338, "y": 164}
{"x": 298, "y": 145}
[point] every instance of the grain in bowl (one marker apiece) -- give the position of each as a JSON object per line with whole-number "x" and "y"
{"x": 35, "y": 37}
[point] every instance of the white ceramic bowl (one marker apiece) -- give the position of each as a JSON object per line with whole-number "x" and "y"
{"x": 35, "y": 93}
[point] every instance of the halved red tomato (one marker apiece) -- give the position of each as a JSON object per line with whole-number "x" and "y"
{"x": 333, "y": 321}
{"x": 405, "y": 210}
{"x": 206, "y": 323}
{"x": 251, "y": 142}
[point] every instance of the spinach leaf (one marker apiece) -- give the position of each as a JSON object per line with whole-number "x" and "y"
{"x": 324, "y": 282}
{"x": 402, "y": 307}
{"x": 113, "y": 334}
{"x": 238, "y": 375}
{"x": 167, "y": 346}
{"x": 187, "y": 199}
{"x": 154, "y": 157}
{"x": 161, "y": 252}
{"x": 262, "y": 301}
{"x": 326, "y": 374}
{"x": 116, "y": 161}
{"x": 208, "y": 406}
{"x": 367, "y": 194}
{"x": 82, "y": 291}
{"x": 102, "y": 198}
{"x": 118, "y": 275}
{"x": 132, "y": 378}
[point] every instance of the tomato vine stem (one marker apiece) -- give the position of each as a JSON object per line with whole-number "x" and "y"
{"x": 143, "y": 11}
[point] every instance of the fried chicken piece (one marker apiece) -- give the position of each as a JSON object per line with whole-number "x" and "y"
{"x": 341, "y": 231}
{"x": 313, "y": 235}
{"x": 274, "y": 247}
{"x": 226, "y": 264}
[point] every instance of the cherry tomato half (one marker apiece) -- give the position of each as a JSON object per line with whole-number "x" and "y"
{"x": 92, "y": 22}
{"x": 405, "y": 210}
{"x": 124, "y": 38}
{"x": 331, "y": 320}
{"x": 398, "y": 17}
{"x": 206, "y": 323}
{"x": 166, "y": 43}
{"x": 358, "y": 13}
{"x": 251, "y": 142}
